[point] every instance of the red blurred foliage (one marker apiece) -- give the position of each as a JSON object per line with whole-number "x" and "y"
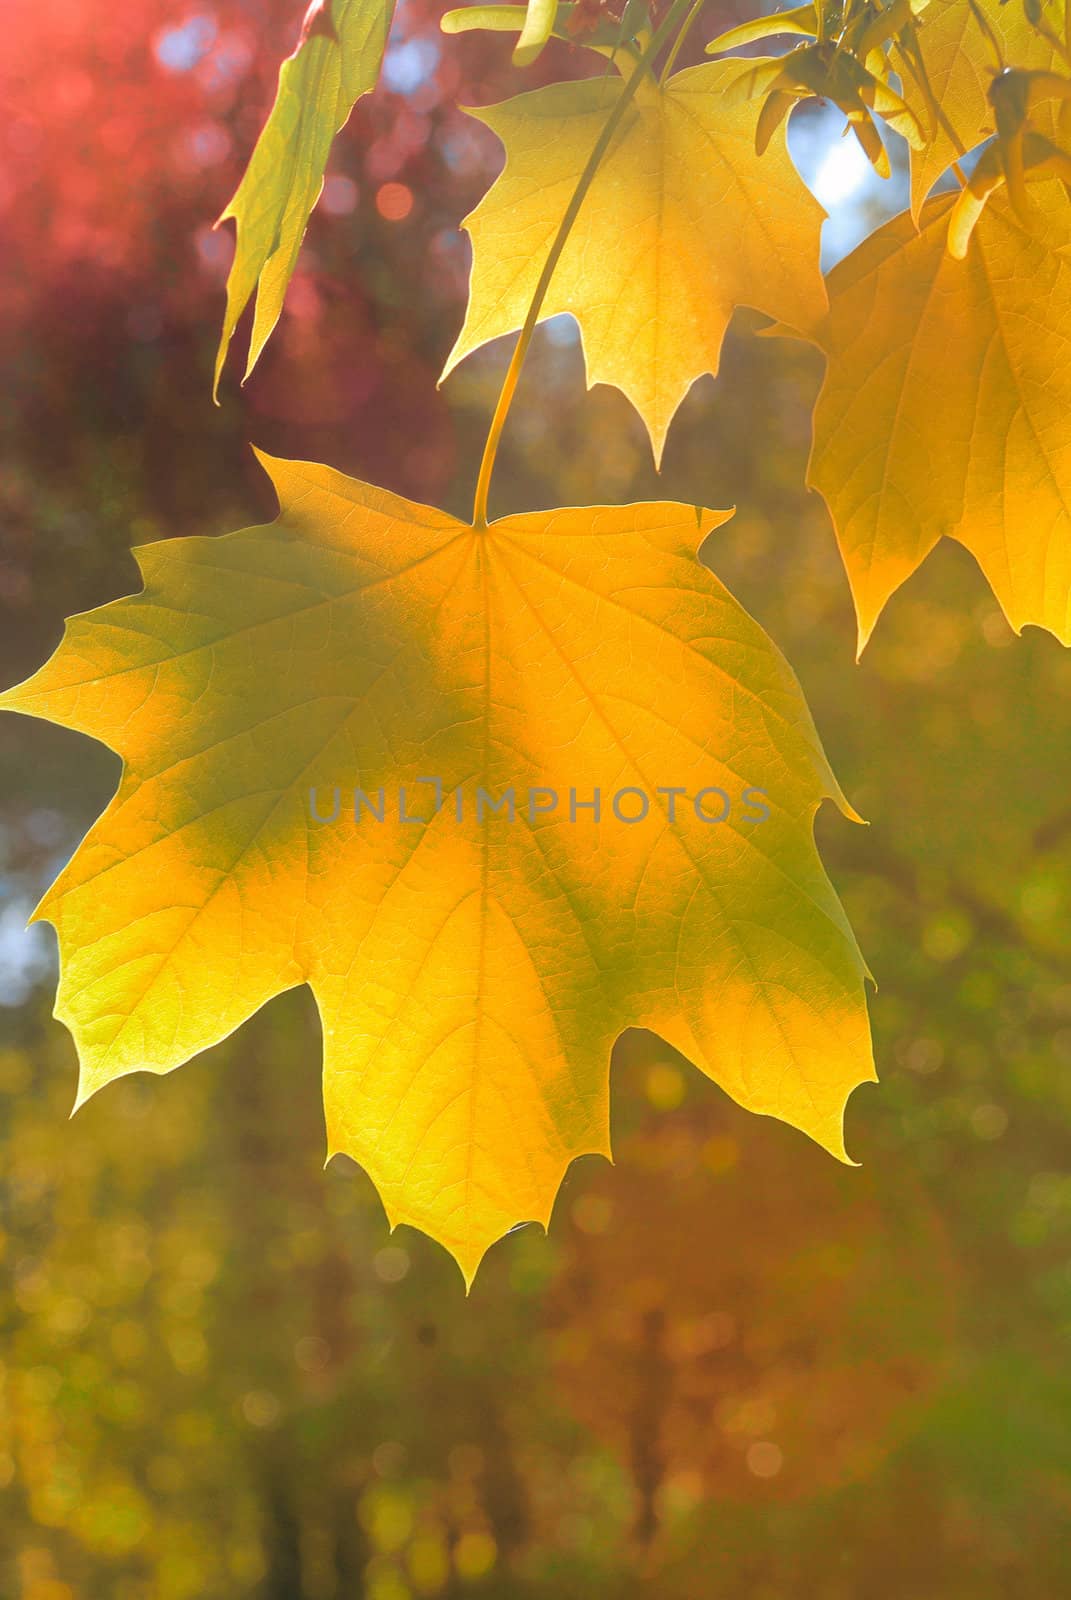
{"x": 112, "y": 117}
{"x": 785, "y": 1356}
{"x": 125, "y": 129}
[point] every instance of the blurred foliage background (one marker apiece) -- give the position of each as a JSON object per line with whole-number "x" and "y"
{"x": 735, "y": 1370}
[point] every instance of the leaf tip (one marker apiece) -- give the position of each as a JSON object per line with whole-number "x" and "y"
{"x": 525, "y": 55}
{"x": 467, "y": 1259}
{"x": 86, "y": 1088}
{"x": 867, "y": 614}
{"x": 708, "y": 520}
{"x": 457, "y": 354}
{"x": 273, "y": 466}
{"x": 836, "y": 1145}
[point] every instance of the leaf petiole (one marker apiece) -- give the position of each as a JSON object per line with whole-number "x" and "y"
{"x": 599, "y": 149}
{"x": 686, "y": 28}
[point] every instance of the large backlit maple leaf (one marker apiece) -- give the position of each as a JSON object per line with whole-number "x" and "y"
{"x": 471, "y": 971}
{"x": 683, "y": 222}
{"x": 945, "y": 407}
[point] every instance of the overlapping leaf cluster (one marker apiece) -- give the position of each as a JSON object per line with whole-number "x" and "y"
{"x": 473, "y": 970}
{"x": 980, "y": 82}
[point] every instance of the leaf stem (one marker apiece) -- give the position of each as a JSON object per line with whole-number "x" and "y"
{"x": 917, "y": 69}
{"x": 602, "y": 144}
{"x": 686, "y": 28}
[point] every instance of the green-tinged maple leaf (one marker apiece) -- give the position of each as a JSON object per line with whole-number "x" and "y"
{"x": 336, "y": 61}
{"x": 682, "y": 223}
{"x": 471, "y": 973}
{"x": 960, "y": 64}
{"x": 945, "y": 407}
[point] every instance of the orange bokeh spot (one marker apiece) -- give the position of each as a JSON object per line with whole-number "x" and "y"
{"x": 394, "y": 201}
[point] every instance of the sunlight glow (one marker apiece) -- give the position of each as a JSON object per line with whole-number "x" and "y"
{"x": 843, "y": 170}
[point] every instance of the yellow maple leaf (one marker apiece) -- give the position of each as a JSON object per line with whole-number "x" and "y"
{"x": 682, "y": 223}
{"x": 336, "y": 61}
{"x": 472, "y": 967}
{"x": 960, "y": 64}
{"x": 946, "y": 404}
